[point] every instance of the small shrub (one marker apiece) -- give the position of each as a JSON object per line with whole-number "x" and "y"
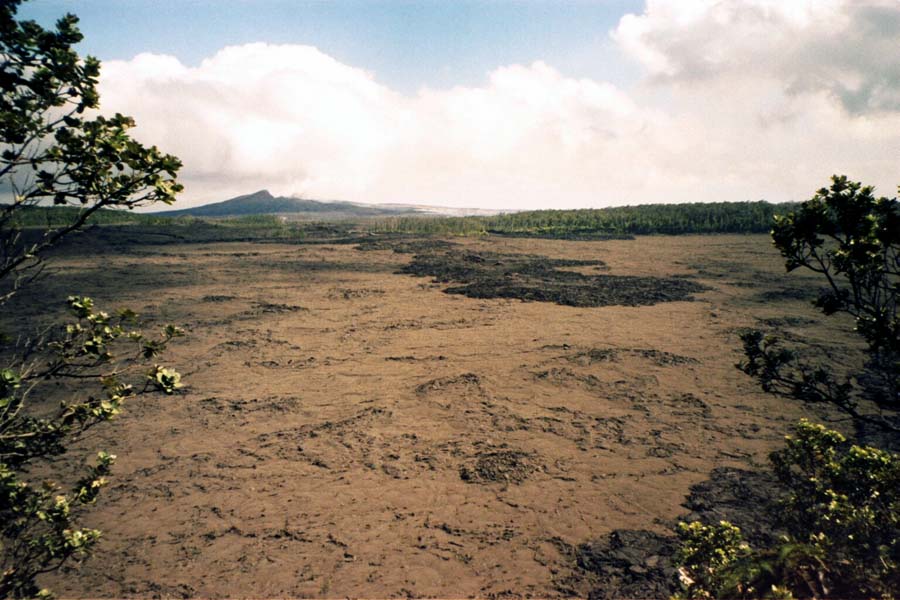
{"x": 107, "y": 358}
{"x": 839, "y": 529}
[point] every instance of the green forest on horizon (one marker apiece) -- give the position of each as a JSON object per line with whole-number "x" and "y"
{"x": 672, "y": 219}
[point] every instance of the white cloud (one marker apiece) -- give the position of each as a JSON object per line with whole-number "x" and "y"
{"x": 743, "y": 99}
{"x": 846, "y": 48}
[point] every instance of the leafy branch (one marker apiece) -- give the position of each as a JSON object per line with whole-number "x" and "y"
{"x": 108, "y": 357}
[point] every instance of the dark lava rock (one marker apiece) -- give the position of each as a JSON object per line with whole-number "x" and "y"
{"x": 505, "y": 466}
{"x": 638, "y": 563}
{"x": 788, "y": 293}
{"x": 466, "y": 380}
{"x": 630, "y": 564}
{"x": 744, "y": 498}
{"x": 541, "y": 279}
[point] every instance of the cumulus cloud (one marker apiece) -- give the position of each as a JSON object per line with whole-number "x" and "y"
{"x": 846, "y": 48}
{"x": 743, "y": 99}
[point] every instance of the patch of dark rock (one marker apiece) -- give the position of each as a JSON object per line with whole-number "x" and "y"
{"x": 151, "y": 589}
{"x": 272, "y": 404}
{"x": 688, "y": 405}
{"x": 411, "y": 358}
{"x": 662, "y": 358}
{"x": 658, "y": 357}
{"x": 734, "y": 273}
{"x": 353, "y": 293}
{"x": 277, "y": 308}
{"x": 595, "y": 355}
{"x": 464, "y": 380}
{"x": 217, "y": 298}
{"x": 630, "y": 563}
{"x": 807, "y": 294}
{"x": 665, "y": 450}
{"x": 541, "y": 279}
{"x": 872, "y": 434}
{"x": 241, "y": 344}
{"x": 638, "y": 564}
{"x": 392, "y": 471}
{"x": 778, "y": 322}
{"x": 286, "y": 534}
{"x": 563, "y": 376}
{"x": 744, "y": 498}
{"x": 504, "y": 466}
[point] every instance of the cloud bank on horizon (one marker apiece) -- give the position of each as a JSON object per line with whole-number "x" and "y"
{"x": 739, "y": 100}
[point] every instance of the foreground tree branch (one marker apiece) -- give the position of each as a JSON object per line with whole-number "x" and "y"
{"x": 61, "y": 164}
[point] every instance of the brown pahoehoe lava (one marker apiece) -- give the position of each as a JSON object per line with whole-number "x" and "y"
{"x": 331, "y": 405}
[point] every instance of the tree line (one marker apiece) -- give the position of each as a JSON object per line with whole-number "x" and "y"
{"x": 693, "y": 217}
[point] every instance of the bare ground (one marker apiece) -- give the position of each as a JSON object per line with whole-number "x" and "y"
{"x": 347, "y": 430}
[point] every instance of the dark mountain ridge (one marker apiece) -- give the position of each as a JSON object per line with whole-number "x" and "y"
{"x": 262, "y": 202}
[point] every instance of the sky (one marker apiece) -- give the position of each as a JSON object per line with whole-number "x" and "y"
{"x": 504, "y": 104}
